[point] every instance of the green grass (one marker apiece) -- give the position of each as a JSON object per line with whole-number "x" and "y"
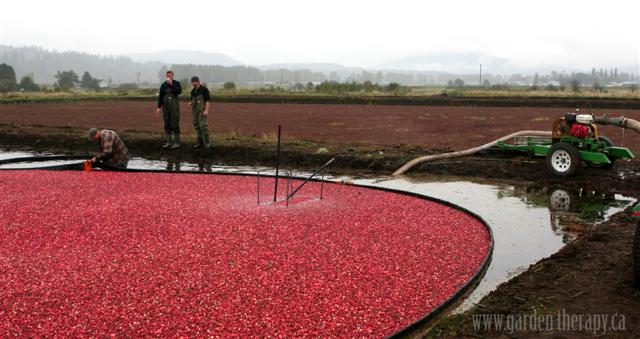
{"x": 411, "y": 91}
{"x": 525, "y": 92}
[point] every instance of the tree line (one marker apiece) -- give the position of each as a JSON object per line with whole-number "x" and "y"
{"x": 65, "y": 80}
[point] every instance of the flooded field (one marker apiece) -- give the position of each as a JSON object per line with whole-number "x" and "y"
{"x": 529, "y": 222}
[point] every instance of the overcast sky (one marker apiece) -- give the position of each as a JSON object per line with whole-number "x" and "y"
{"x": 356, "y": 33}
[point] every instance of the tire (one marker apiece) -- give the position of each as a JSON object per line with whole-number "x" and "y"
{"x": 563, "y": 159}
{"x": 612, "y": 159}
{"x": 636, "y": 256}
{"x": 560, "y": 201}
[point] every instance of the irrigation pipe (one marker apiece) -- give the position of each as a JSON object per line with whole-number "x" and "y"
{"x": 406, "y": 167}
{"x": 622, "y": 122}
{"x": 45, "y": 158}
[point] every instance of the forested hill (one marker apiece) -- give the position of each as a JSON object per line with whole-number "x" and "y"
{"x": 44, "y": 65}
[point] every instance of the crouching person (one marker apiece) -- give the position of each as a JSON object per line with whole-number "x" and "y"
{"x": 113, "y": 152}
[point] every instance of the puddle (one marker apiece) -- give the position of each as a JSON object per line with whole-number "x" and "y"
{"x": 529, "y": 223}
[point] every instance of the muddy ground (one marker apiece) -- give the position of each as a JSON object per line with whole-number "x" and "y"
{"x": 590, "y": 276}
{"x": 454, "y": 127}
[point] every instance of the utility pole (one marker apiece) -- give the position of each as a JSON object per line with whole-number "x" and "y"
{"x": 138, "y": 79}
{"x": 480, "y": 79}
{"x": 281, "y": 77}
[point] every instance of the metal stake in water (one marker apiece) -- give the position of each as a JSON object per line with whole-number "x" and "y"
{"x": 258, "y": 188}
{"x": 275, "y": 189}
{"x": 288, "y": 188}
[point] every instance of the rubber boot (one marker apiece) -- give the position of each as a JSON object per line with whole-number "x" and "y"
{"x": 205, "y": 141}
{"x": 199, "y": 143}
{"x": 167, "y": 143}
{"x": 176, "y": 141}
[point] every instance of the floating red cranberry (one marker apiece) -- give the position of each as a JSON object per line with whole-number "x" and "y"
{"x": 147, "y": 254}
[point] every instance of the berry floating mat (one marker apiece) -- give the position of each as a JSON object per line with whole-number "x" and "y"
{"x": 133, "y": 254}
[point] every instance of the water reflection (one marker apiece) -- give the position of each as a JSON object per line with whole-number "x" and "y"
{"x": 528, "y": 223}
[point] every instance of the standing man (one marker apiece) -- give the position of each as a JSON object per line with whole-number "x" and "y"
{"x": 168, "y": 102}
{"x": 199, "y": 104}
{"x": 112, "y": 150}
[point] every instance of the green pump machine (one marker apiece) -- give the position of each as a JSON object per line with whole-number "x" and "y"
{"x": 575, "y": 139}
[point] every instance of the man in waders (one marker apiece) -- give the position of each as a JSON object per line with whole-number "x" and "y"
{"x": 170, "y": 106}
{"x": 199, "y": 104}
{"x": 112, "y": 150}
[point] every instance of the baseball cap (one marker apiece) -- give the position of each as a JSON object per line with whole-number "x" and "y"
{"x": 92, "y": 133}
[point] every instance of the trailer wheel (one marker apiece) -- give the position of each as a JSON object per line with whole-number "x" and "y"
{"x": 636, "y": 256}
{"x": 612, "y": 159}
{"x": 560, "y": 201}
{"x": 563, "y": 159}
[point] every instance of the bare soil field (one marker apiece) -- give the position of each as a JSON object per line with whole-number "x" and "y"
{"x": 453, "y": 127}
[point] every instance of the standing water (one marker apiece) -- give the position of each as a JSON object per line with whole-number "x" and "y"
{"x": 528, "y": 223}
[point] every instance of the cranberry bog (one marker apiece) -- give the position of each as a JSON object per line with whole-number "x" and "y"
{"x": 164, "y": 254}
{"x": 427, "y": 126}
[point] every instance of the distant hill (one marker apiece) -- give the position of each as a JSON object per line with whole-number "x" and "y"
{"x": 216, "y": 68}
{"x": 44, "y": 64}
{"x": 469, "y": 63}
{"x": 185, "y": 57}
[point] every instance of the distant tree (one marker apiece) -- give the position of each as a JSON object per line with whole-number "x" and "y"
{"x": 7, "y": 73}
{"x": 486, "y": 83}
{"x": 310, "y": 86}
{"x": 575, "y": 85}
{"x": 299, "y": 86}
{"x": 393, "y": 87}
{"x": 633, "y": 88}
{"x": 90, "y": 82}
{"x": 7, "y": 78}
{"x": 368, "y": 86}
{"x": 229, "y": 86}
{"x": 458, "y": 83}
{"x": 6, "y": 86}
{"x": 27, "y": 84}
{"x": 66, "y": 80}
{"x": 536, "y": 82}
{"x": 551, "y": 87}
